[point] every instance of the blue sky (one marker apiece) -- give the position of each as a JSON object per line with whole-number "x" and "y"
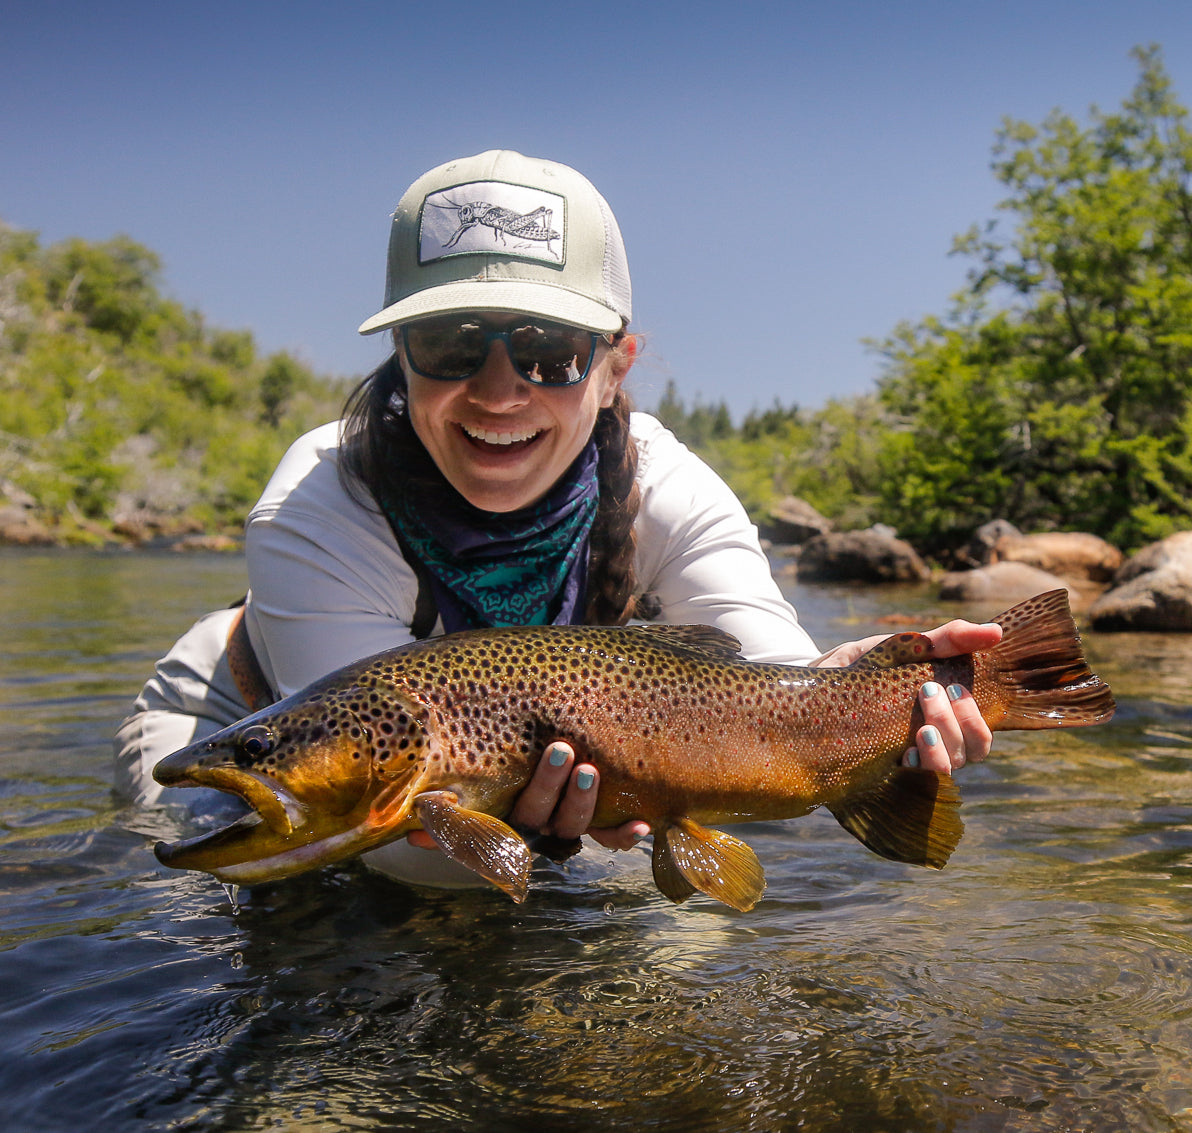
{"x": 788, "y": 176}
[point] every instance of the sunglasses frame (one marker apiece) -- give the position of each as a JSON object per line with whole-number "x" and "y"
{"x": 505, "y": 334}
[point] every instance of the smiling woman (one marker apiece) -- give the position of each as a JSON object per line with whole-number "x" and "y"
{"x": 490, "y": 473}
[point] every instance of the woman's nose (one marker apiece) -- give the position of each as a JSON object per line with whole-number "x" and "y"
{"x": 497, "y": 385}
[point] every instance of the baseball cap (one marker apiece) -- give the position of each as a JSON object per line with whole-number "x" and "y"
{"x": 503, "y": 232}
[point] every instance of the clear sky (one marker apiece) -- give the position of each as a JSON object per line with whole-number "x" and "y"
{"x": 788, "y": 176}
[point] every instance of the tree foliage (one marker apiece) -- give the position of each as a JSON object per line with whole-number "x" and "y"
{"x": 1058, "y": 390}
{"x": 115, "y": 401}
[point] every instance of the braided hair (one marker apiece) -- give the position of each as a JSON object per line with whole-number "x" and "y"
{"x": 369, "y": 472}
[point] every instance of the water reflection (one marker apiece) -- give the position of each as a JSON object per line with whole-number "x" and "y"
{"x": 1041, "y": 982}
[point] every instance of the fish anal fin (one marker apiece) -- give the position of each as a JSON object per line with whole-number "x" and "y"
{"x": 667, "y": 875}
{"x": 897, "y": 649}
{"x": 912, "y": 816}
{"x": 482, "y": 843}
{"x": 690, "y": 857}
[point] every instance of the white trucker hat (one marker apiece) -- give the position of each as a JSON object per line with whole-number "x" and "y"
{"x": 504, "y": 232}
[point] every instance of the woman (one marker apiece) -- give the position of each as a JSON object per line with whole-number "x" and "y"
{"x": 490, "y": 473}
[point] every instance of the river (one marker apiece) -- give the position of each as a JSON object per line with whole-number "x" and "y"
{"x": 1041, "y": 982}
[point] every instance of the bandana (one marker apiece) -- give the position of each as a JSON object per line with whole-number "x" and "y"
{"x": 525, "y": 567}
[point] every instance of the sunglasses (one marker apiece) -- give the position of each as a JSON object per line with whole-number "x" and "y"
{"x": 450, "y": 348}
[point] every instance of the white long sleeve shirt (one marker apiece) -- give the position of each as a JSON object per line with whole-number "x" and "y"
{"x": 330, "y": 585}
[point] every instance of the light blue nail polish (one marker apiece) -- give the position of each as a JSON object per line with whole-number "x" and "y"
{"x": 558, "y": 756}
{"x": 930, "y": 736}
{"x": 931, "y": 689}
{"x": 584, "y": 780}
{"x": 955, "y": 692}
{"x": 911, "y": 758}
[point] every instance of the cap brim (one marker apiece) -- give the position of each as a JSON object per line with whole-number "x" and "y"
{"x": 518, "y": 296}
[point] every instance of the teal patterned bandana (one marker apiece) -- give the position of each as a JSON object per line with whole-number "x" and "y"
{"x": 526, "y": 567}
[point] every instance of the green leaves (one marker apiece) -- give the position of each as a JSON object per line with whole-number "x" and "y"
{"x": 1070, "y": 405}
{"x": 117, "y": 402}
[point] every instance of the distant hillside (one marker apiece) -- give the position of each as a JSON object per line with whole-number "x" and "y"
{"x": 124, "y": 414}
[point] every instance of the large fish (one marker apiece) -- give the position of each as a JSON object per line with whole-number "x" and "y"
{"x": 443, "y": 734}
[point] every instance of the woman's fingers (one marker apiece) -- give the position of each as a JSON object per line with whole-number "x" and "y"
{"x": 536, "y": 804}
{"x": 953, "y": 730}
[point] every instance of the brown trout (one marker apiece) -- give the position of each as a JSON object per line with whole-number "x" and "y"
{"x": 443, "y": 734}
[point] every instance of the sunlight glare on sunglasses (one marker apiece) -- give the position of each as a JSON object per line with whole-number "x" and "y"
{"x": 451, "y": 348}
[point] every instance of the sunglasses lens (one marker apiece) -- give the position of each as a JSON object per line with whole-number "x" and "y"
{"x": 448, "y": 348}
{"x": 552, "y": 354}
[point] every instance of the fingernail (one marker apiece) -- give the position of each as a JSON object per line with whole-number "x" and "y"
{"x": 911, "y": 759}
{"x": 930, "y": 736}
{"x": 955, "y": 692}
{"x": 931, "y": 689}
{"x": 558, "y": 756}
{"x": 584, "y": 780}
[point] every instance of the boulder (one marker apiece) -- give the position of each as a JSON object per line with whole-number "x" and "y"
{"x": 862, "y": 556}
{"x": 978, "y": 551}
{"x": 999, "y": 582}
{"x": 792, "y": 520}
{"x": 1152, "y": 591}
{"x": 1069, "y": 554}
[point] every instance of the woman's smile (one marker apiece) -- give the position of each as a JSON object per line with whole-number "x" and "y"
{"x": 501, "y": 441}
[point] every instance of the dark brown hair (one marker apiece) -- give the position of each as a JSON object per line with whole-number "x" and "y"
{"x": 368, "y": 472}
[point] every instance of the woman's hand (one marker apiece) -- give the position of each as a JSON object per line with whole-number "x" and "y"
{"x": 560, "y": 800}
{"x": 953, "y": 731}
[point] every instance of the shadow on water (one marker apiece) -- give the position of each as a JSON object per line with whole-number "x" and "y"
{"x": 1041, "y": 982}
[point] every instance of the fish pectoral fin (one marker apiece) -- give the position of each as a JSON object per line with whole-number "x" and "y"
{"x": 913, "y": 816}
{"x": 689, "y": 857}
{"x": 482, "y": 843}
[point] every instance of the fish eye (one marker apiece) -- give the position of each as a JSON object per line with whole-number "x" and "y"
{"x": 256, "y": 741}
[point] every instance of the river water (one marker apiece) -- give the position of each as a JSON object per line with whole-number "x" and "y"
{"x": 1043, "y": 981}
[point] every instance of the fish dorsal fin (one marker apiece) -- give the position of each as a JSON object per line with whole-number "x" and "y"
{"x": 688, "y": 857}
{"x": 482, "y": 843}
{"x": 700, "y": 639}
{"x": 913, "y": 816}
{"x": 898, "y": 649}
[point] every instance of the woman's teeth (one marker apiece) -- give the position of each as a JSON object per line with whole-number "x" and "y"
{"x": 492, "y": 437}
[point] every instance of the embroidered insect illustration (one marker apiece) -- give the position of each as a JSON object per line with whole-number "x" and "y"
{"x": 504, "y": 222}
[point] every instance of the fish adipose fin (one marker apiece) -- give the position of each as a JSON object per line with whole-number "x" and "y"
{"x": 482, "y": 843}
{"x": 1040, "y": 669}
{"x": 900, "y": 649}
{"x": 689, "y": 857}
{"x": 913, "y": 816}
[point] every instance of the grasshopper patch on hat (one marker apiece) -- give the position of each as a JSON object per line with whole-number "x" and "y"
{"x": 493, "y": 217}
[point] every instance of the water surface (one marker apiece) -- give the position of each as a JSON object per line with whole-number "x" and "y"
{"x": 1043, "y": 981}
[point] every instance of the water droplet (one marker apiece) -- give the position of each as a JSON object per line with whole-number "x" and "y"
{"x": 233, "y": 892}
{"x": 609, "y": 908}
{"x": 237, "y": 960}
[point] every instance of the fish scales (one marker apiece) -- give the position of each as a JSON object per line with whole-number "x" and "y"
{"x": 443, "y": 734}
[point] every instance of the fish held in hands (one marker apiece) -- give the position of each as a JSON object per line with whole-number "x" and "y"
{"x": 443, "y": 734}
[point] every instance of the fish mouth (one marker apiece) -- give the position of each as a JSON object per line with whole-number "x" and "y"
{"x": 269, "y": 799}
{"x": 275, "y": 839}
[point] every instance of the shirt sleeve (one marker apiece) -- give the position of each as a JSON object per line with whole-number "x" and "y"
{"x": 698, "y": 552}
{"x": 328, "y": 584}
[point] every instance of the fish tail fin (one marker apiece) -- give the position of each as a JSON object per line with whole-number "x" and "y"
{"x": 911, "y": 816}
{"x": 688, "y": 857}
{"x": 1040, "y": 671}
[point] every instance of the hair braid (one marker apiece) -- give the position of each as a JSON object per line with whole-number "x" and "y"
{"x": 611, "y": 576}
